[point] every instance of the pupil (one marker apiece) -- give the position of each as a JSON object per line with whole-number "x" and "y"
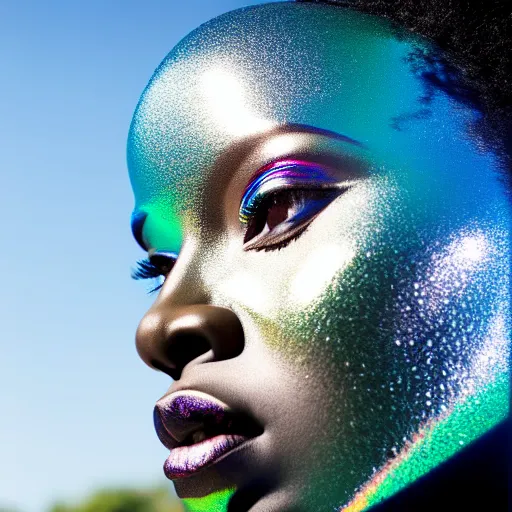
{"x": 278, "y": 212}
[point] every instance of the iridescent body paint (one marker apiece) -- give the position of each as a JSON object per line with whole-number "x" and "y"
{"x": 376, "y": 343}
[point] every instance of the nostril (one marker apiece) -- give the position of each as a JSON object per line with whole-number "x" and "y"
{"x": 184, "y": 348}
{"x": 168, "y": 339}
{"x": 158, "y": 365}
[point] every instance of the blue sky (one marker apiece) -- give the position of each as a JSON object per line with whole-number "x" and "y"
{"x": 76, "y": 402}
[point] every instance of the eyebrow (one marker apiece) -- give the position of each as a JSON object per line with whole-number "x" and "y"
{"x": 137, "y": 224}
{"x": 310, "y": 130}
{"x": 305, "y": 128}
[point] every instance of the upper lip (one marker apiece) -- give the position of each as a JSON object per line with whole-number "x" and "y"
{"x": 180, "y": 415}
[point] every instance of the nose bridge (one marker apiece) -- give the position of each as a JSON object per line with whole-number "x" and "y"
{"x": 201, "y": 274}
{"x": 183, "y": 325}
{"x": 185, "y": 284}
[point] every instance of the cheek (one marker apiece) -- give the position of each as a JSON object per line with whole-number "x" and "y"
{"x": 401, "y": 319}
{"x": 409, "y": 298}
{"x": 411, "y": 339}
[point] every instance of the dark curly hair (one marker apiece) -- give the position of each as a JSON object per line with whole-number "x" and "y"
{"x": 474, "y": 63}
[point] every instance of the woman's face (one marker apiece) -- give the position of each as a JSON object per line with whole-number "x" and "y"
{"x": 337, "y": 318}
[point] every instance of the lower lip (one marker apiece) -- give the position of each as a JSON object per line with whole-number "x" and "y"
{"x": 187, "y": 460}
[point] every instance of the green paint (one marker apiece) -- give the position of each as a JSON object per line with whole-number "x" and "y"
{"x": 215, "y": 502}
{"x": 162, "y": 229}
{"x": 468, "y": 421}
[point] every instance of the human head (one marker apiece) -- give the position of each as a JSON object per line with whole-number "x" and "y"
{"x": 364, "y": 341}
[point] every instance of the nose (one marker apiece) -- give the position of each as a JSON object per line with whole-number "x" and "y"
{"x": 170, "y": 338}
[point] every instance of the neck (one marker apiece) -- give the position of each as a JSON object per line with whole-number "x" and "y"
{"x": 475, "y": 478}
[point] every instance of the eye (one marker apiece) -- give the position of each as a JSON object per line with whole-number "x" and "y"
{"x": 282, "y": 201}
{"x": 157, "y": 266}
{"x": 284, "y": 216}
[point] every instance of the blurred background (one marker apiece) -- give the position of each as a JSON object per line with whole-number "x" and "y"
{"x": 76, "y": 403}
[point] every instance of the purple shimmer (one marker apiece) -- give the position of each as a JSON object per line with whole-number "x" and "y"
{"x": 186, "y": 460}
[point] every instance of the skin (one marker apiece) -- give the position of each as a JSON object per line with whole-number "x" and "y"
{"x": 374, "y": 346}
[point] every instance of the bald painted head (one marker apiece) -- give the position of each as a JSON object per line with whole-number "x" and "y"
{"x": 330, "y": 230}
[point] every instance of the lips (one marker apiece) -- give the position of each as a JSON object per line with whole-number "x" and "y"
{"x": 198, "y": 429}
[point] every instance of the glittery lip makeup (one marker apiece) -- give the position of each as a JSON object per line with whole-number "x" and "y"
{"x": 199, "y": 430}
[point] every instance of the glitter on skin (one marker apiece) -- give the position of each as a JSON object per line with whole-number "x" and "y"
{"x": 434, "y": 443}
{"x": 410, "y": 335}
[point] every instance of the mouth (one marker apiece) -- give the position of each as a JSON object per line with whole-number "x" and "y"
{"x": 198, "y": 429}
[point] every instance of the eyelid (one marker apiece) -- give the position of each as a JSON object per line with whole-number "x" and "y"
{"x": 285, "y": 174}
{"x": 154, "y": 253}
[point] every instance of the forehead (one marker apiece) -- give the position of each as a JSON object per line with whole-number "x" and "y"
{"x": 254, "y": 69}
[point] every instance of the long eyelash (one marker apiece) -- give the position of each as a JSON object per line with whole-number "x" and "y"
{"x": 158, "y": 265}
{"x": 308, "y": 203}
{"x": 284, "y": 243}
{"x": 146, "y": 270}
{"x": 281, "y": 175}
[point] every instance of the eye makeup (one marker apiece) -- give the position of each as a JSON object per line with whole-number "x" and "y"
{"x": 285, "y": 174}
{"x": 282, "y": 200}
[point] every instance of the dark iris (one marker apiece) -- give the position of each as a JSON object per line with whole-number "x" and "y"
{"x": 271, "y": 212}
{"x": 284, "y": 215}
{"x": 279, "y": 211}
